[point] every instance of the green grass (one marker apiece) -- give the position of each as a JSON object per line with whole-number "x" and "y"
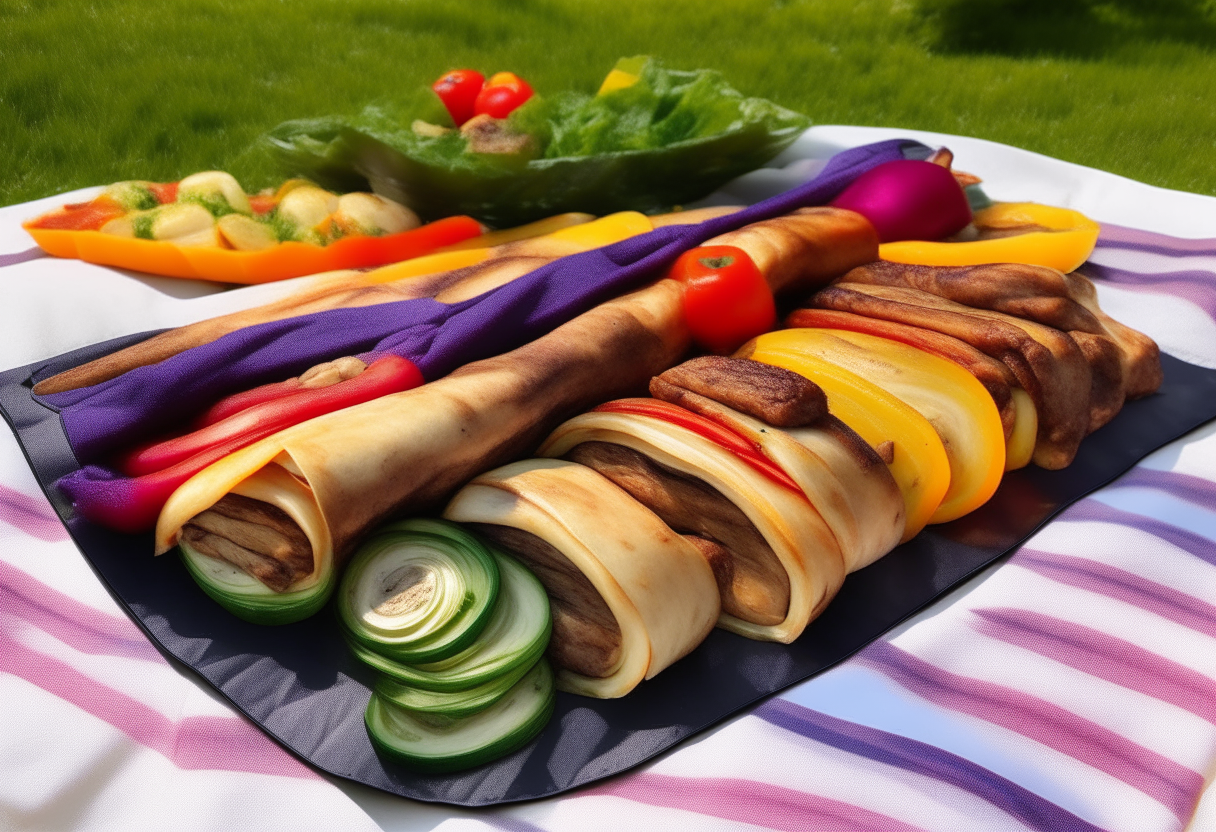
{"x": 94, "y": 92}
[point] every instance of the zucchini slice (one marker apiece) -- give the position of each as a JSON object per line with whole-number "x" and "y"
{"x": 248, "y": 598}
{"x": 456, "y": 703}
{"x": 437, "y": 744}
{"x": 516, "y": 636}
{"x": 418, "y": 591}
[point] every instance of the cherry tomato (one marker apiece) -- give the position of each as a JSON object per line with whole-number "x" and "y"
{"x": 501, "y": 95}
{"x": 726, "y": 299}
{"x": 458, "y": 90}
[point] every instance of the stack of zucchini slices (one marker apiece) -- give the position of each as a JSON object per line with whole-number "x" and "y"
{"x": 457, "y": 631}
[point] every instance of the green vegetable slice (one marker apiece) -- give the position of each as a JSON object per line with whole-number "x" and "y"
{"x": 246, "y": 597}
{"x": 439, "y": 744}
{"x": 456, "y": 703}
{"x": 418, "y": 591}
{"x": 516, "y": 635}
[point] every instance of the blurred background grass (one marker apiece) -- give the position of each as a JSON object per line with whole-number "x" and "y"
{"x": 94, "y": 92}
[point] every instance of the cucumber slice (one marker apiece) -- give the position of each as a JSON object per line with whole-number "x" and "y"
{"x": 246, "y": 597}
{"x": 516, "y": 635}
{"x": 456, "y": 703}
{"x": 436, "y": 744}
{"x": 418, "y": 591}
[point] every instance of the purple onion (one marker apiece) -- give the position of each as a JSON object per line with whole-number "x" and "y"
{"x": 908, "y": 200}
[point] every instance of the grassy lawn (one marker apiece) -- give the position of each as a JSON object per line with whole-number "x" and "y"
{"x": 119, "y": 89}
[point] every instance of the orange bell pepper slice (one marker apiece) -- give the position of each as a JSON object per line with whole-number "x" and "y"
{"x": 286, "y": 260}
{"x": 1058, "y": 238}
{"x": 919, "y": 464}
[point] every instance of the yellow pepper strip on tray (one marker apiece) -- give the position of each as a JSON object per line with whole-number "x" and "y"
{"x": 539, "y": 228}
{"x": 1009, "y": 232}
{"x": 918, "y": 463}
{"x": 953, "y": 401}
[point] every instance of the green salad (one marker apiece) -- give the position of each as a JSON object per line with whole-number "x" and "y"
{"x": 652, "y": 139}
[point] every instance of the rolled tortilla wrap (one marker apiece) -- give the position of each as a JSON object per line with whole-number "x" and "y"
{"x": 592, "y": 545}
{"x": 801, "y": 548}
{"x": 406, "y": 453}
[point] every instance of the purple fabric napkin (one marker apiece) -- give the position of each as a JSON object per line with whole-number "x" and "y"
{"x": 437, "y": 337}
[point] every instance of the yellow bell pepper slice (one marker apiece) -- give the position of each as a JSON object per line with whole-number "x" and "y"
{"x": 919, "y": 463}
{"x": 1058, "y": 238}
{"x": 1019, "y": 448}
{"x": 953, "y": 401}
{"x": 522, "y": 232}
{"x": 626, "y": 73}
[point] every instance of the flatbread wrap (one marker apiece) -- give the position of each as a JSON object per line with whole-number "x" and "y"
{"x": 629, "y": 596}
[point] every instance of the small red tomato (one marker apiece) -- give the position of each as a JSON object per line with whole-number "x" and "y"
{"x": 726, "y": 299}
{"x": 501, "y": 95}
{"x": 458, "y": 90}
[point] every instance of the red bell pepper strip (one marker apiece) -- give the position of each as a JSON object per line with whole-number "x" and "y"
{"x": 727, "y": 301}
{"x": 458, "y": 91}
{"x": 386, "y": 375}
{"x": 231, "y": 405}
{"x": 165, "y": 192}
{"x": 80, "y": 216}
{"x": 746, "y": 450}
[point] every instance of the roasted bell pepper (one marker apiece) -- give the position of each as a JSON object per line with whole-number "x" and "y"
{"x": 954, "y": 402}
{"x": 1009, "y": 232}
{"x": 720, "y": 435}
{"x": 285, "y": 260}
{"x": 726, "y": 299}
{"x": 917, "y": 458}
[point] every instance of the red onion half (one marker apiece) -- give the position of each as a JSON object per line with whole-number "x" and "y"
{"x": 908, "y": 200}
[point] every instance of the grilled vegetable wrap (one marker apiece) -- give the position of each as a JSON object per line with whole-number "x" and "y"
{"x": 629, "y": 595}
{"x": 406, "y": 453}
{"x": 776, "y": 561}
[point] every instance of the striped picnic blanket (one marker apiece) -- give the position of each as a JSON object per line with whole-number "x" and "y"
{"x": 1073, "y": 687}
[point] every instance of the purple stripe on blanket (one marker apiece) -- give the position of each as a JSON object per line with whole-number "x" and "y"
{"x": 78, "y": 625}
{"x": 437, "y": 337}
{"x": 749, "y": 801}
{"x": 32, "y": 515}
{"x": 194, "y": 743}
{"x": 508, "y": 824}
{"x": 1174, "y": 786}
{"x": 1196, "y": 286}
{"x": 1118, "y": 236}
{"x": 1193, "y": 489}
{"x": 1123, "y": 586}
{"x": 1097, "y": 511}
{"x": 21, "y": 256}
{"x": 1098, "y": 654}
{"x": 923, "y": 759}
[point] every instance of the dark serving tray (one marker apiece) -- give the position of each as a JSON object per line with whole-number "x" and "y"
{"x": 305, "y": 689}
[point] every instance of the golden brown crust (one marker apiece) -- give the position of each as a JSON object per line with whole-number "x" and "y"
{"x": 772, "y": 394}
{"x": 806, "y": 248}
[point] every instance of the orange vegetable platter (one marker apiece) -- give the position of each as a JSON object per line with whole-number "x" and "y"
{"x": 207, "y": 227}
